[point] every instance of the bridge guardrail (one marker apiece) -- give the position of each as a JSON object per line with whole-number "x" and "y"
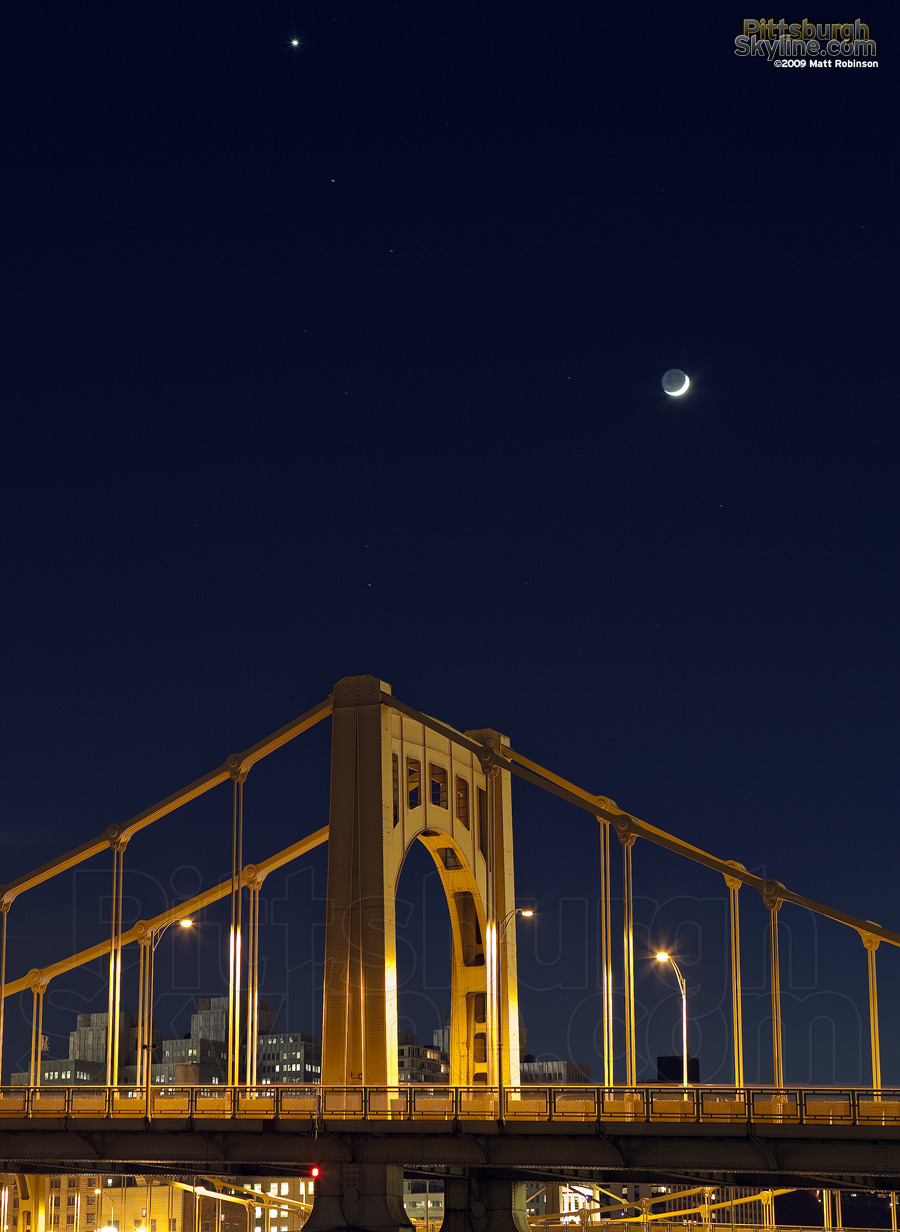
{"x": 827, "y": 1107}
{"x": 729, "y": 1106}
{"x": 673, "y": 1105}
{"x": 572, "y": 1104}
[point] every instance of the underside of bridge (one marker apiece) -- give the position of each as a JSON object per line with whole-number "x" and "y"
{"x": 760, "y": 1156}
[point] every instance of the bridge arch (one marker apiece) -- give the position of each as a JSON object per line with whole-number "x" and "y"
{"x": 394, "y": 782}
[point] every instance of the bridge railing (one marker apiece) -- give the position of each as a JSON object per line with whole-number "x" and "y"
{"x": 289, "y": 1102}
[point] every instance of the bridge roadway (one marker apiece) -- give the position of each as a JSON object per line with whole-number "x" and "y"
{"x": 742, "y": 1136}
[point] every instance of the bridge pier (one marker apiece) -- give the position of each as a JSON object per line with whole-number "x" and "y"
{"x": 473, "y": 1205}
{"x": 368, "y": 1197}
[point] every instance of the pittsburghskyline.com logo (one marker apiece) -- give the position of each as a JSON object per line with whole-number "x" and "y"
{"x": 799, "y": 44}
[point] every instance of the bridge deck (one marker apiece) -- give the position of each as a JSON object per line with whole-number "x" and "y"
{"x": 800, "y": 1106}
{"x": 747, "y": 1136}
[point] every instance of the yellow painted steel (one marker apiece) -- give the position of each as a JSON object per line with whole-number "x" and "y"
{"x": 606, "y": 954}
{"x": 871, "y": 944}
{"x": 627, "y": 841}
{"x": 32, "y": 1193}
{"x": 114, "y": 834}
{"x": 4, "y": 909}
{"x": 238, "y": 775}
{"x": 397, "y": 778}
{"x": 734, "y": 886}
{"x": 191, "y": 906}
{"x": 775, "y": 981}
{"x": 604, "y": 1213}
{"x": 606, "y": 809}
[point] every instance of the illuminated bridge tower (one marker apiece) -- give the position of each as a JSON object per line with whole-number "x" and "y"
{"x": 398, "y": 777}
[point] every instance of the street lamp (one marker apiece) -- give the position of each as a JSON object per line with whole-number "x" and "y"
{"x": 501, "y": 933}
{"x": 147, "y": 1044}
{"x": 110, "y": 1227}
{"x": 510, "y": 916}
{"x": 662, "y": 956}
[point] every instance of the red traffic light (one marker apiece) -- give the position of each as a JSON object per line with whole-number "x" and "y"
{"x": 314, "y": 1170}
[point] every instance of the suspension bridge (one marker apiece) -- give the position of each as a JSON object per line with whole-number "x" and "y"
{"x": 399, "y": 776}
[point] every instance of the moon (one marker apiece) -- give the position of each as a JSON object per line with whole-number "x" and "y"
{"x": 675, "y": 382}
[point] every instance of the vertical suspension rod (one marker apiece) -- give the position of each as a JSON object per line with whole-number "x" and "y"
{"x": 627, "y": 841}
{"x": 734, "y": 886}
{"x": 38, "y": 989}
{"x": 4, "y": 908}
{"x": 871, "y": 943}
{"x": 234, "y": 973}
{"x": 491, "y": 783}
{"x": 252, "y": 982}
{"x": 606, "y": 953}
{"x": 115, "y": 963}
{"x": 775, "y": 978}
{"x": 142, "y": 1038}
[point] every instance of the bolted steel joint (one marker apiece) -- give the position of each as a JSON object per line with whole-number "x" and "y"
{"x": 235, "y": 767}
{"x": 488, "y": 759}
{"x": 869, "y": 940}
{"x": 624, "y": 827}
{"x": 252, "y": 877}
{"x": 772, "y": 894}
{"x": 734, "y": 883}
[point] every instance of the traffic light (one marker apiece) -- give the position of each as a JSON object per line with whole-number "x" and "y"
{"x": 314, "y": 1170}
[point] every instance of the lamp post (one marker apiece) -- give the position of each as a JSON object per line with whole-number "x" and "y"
{"x": 147, "y": 1043}
{"x": 110, "y": 1227}
{"x": 663, "y": 957}
{"x": 504, "y": 924}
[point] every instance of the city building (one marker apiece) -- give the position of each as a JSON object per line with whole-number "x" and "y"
{"x": 426, "y": 1063}
{"x": 553, "y": 1073}
{"x": 200, "y": 1058}
{"x": 89, "y": 1203}
{"x": 288, "y": 1057}
{"x": 424, "y": 1203}
{"x": 86, "y": 1062}
{"x": 282, "y": 1206}
{"x": 671, "y": 1069}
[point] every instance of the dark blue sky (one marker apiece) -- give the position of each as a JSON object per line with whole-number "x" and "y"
{"x": 346, "y": 359}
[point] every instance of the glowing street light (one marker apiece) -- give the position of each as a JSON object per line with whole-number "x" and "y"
{"x": 110, "y": 1227}
{"x": 147, "y": 1045}
{"x": 662, "y": 956}
{"x": 525, "y": 912}
{"x": 501, "y": 933}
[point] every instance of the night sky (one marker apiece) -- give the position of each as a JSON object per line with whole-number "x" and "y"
{"x": 345, "y": 358}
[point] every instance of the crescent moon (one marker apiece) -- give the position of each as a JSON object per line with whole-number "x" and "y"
{"x": 676, "y": 393}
